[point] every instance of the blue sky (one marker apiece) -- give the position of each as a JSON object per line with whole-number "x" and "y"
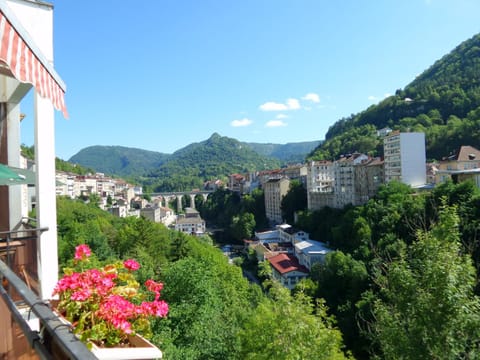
{"x": 161, "y": 74}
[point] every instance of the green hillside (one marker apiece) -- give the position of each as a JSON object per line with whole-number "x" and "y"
{"x": 118, "y": 160}
{"x": 189, "y": 167}
{"x": 214, "y": 158}
{"x": 443, "y": 102}
{"x": 287, "y": 153}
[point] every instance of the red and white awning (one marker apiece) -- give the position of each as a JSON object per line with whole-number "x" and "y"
{"x": 27, "y": 67}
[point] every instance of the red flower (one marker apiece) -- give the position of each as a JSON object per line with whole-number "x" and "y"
{"x": 131, "y": 265}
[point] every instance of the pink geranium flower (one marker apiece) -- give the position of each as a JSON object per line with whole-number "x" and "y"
{"x": 82, "y": 252}
{"x": 106, "y": 298}
{"x": 131, "y": 264}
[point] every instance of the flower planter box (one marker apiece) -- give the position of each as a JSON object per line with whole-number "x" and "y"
{"x": 140, "y": 348}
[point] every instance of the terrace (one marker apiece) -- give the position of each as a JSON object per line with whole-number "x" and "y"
{"x": 28, "y": 249}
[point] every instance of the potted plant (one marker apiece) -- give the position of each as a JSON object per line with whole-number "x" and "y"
{"x": 107, "y": 307}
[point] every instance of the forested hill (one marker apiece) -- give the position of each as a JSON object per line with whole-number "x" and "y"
{"x": 213, "y": 158}
{"x": 287, "y": 153}
{"x": 118, "y": 160}
{"x": 443, "y": 102}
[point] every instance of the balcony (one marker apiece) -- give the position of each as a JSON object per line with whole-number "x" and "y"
{"x": 30, "y": 329}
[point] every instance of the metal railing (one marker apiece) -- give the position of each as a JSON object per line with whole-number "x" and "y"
{"x": 52, "y": 329}
{"x": 54, "y": 338}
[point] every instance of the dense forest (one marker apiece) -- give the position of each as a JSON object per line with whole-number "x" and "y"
{"x": 443, "y": 102}
{"x": 215, "y": 313}
{"x": 401, "y": 283}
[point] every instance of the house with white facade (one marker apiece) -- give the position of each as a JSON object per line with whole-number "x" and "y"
{"x": 190, "y": 222}
{"x": 287, "y": 270}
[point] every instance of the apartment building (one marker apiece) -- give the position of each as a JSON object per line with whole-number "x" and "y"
{"x": 320, "y": 184}
{"x": 345, "y": 179}
{"x": 352, "y": 179}
{"x": 405, "y": 159}
{"x": 369, "y": 175}
{"x": 274, "y": 191}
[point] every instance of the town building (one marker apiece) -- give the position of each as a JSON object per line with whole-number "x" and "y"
{"x": 461, "y": 166}
{"x": 345, "y": 179}
{"x": 405, "y": 158}
{"x": 369, "y": 175}
{"x": 290, "y": 252}
{"x": 274, "y": 190}
{"x": 151, "y": 213}
{"x": 190, "y": 222}
{"x": 287, "y": 270}
{"x": 352, "y": 179}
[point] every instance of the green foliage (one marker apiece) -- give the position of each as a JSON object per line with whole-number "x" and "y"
{"x": 209, "y": 301}
{"x": 287, "y": 153}
{"x": 28, "y": 151}
{"x": 118, "y": 160}
{"x": 214, "y": 158}
{"x": 295, "y": 200}
{"x": 341, "y": 280}
{"x": 427, "y": 309}
{"x": 79, "y": 223}
{"x": 288, "y": 327}
{"x": 242, "y": 226}
{"x": 239, "y": 216}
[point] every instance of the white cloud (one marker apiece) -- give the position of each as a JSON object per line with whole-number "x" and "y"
{"x": 275, "y": 123}
{"x": 273, "y": 106}
{"x": 372, "y": 98}
{"x": 290, "y": 104}
{"x": 293, "y": 104}
{"x": 281, "y": 116}
{"x": 312, "y": 97}
{"x": 241, "y": 122}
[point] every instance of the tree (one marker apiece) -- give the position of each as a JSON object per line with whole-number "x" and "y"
{"x": 341, "y": 281}
{"x": 427, "y": 308}
{"x": 286, "y": 327}
{"x": 242, "y": 226}
{"x": 209, "y": 300}
{"x": 294, "y": 200}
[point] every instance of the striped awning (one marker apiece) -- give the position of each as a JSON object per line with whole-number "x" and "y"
{"x": 27, "y": 67}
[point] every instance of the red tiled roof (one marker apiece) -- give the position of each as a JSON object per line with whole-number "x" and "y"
{"x": 285, "y": 263}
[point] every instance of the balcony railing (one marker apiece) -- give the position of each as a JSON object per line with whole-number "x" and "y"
{"x": 46, "y": 334}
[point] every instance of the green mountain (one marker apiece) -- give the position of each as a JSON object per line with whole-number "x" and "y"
{"x": 118, "y": 160}
{"x": 214, "y": 158}
{"x": 287, "y": 153}
{"x": 443, "y": 102}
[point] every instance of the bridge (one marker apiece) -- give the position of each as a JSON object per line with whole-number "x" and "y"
{"x": 169, "y": 196}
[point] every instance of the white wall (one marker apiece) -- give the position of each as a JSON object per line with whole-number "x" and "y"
{"x": 413, "y": 158}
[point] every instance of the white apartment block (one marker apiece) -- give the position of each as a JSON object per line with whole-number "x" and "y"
{"x": 405, "y": 158}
